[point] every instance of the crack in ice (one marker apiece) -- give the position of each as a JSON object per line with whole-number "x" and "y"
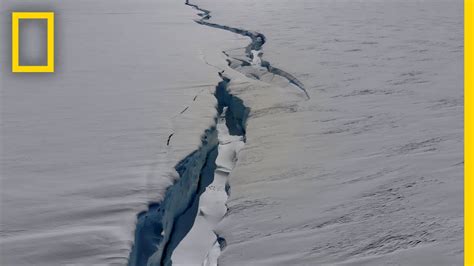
{"x": 253, "y": 51}
{"x": 163, "y": 226}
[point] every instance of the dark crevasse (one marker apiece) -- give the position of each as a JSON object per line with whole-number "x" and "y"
{"x": 253, "y": 51}
{"x": 155, "y": 226}
{"x": 201, "y": 219}
{"x": 160, "y": 229}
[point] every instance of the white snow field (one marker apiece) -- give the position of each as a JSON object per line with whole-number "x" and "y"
{"x": 351, "y": 113}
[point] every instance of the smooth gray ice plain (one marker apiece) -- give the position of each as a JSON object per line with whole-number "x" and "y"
{"x": 367, "y": 171}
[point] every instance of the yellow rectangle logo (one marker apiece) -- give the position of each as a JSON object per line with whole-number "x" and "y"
{"x": 16, "y": 16}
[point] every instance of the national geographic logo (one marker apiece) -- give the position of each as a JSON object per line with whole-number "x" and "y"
{"x": 23, "y": 59}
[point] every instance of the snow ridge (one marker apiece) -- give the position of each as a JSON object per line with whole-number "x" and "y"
{"x": 253, "y": 49}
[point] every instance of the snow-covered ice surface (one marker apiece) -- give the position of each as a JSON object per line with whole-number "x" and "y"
{"x": 370, "y": 169}
{"x": 366, "y": 170}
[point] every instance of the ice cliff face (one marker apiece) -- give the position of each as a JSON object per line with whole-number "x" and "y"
{"x": 161, "y": 228}
{"x": 156, "y": 226}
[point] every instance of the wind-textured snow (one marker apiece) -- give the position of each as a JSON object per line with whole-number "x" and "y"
{"x": 369, "y": 171}
{"x": 353, "y": 149}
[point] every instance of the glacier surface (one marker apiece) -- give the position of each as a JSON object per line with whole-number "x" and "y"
{"x": 354, "y": 143}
